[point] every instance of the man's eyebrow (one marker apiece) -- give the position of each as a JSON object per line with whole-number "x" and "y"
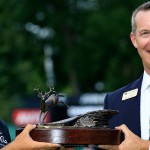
{"x": 142, "y": 30}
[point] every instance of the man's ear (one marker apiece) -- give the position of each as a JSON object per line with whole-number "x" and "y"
{"x": 133, "y": 39}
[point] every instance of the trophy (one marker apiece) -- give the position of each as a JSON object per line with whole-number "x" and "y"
{"x": 83, "y": 130}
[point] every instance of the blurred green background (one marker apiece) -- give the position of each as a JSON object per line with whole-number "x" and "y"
{"x": 79, "y": 46}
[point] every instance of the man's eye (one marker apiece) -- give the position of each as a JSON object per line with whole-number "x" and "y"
{"x": 144, "y": 34}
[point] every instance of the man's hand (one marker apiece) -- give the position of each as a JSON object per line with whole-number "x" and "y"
{"x": 24, "y": 142}
{"x": 131, "y": 141}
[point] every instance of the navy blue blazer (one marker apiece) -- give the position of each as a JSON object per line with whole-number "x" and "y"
{"x": 129, "y": 109}
{"x": 4, "y": 134}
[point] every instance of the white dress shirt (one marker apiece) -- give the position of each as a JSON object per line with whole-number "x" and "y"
{"x": 145, "y": 107}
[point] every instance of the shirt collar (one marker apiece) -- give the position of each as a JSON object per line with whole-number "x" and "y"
{"x": 145, "y": 82}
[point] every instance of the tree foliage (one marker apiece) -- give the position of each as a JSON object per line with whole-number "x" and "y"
{"x": 89, "y": 41}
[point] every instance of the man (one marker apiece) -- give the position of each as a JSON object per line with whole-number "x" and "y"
{"x": 23, "y": 141}
{"x": 133, "y": 100}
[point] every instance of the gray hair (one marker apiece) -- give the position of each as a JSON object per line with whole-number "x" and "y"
{"x": 144, "y": 7}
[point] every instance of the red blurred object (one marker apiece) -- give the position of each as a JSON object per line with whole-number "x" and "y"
{"x": 22, "y": 116}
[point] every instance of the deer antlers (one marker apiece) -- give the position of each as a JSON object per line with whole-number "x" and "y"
{"x": 50, "y": 98}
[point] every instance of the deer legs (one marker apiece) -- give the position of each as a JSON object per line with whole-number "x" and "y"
{"x": 42, "y": 117}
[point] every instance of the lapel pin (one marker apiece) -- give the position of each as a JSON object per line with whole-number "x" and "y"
{"x": 129, "y": 94}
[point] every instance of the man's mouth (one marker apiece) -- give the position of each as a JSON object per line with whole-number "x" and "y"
{"x": 148, "y": 51}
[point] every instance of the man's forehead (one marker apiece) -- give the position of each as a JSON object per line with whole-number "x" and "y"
{"x": 142, "y": 13}
{"x": 142, "y": 19}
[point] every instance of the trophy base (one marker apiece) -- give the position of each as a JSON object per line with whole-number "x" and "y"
{"x": 72, "y": 136}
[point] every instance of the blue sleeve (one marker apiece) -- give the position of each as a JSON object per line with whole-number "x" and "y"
{"x": 4, "y": 134}
{"x": 105, "y": 102}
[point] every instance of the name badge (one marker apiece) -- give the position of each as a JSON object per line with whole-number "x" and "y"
{"x": 129, "y": 94}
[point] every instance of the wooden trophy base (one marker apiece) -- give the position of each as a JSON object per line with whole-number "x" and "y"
{"x": 75, "y": 136}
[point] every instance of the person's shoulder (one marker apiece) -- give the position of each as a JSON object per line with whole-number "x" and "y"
{"x": 130, "y": 86}
{"x": 4, "y": 134}
{"x": 3, "y": 123}
{"x": 114, "y": 97}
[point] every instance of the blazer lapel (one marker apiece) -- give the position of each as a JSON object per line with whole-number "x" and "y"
{"x": 132, "y": 109}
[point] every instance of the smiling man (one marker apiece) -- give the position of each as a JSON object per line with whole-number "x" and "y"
{"x": 133, "y": 100}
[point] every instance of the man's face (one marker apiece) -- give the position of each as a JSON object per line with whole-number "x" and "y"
{"x": 141, "y": 39}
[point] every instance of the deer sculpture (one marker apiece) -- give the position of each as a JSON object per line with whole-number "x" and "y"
{"x": 48, "y": 99}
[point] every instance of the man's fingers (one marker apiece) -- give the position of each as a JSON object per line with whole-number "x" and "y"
{"x": 124, "y": 129}
{"x": 108, "y": 147}
{"x": 103, "y": 146}
{"x": 47, "y": 145}
{"x": 29, "y": 127}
